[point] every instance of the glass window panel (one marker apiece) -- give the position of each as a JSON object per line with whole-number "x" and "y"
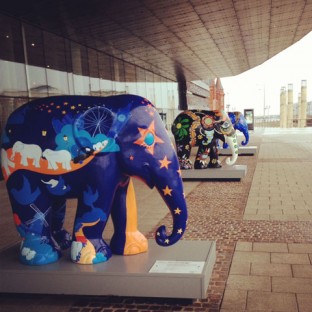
{"x": 119, "y": 70}
{"x": 54, "y": 51}
{"x": 141, "y": 82}
{"x": 81, "y": 85}
{"x": 7, "y": 106}
{"x": 57, "y": 82}
{"x": 106, "y": 87}
{"x": 159, "y": 95}
{"x": 79, "y": 58}
{"x": 38, "y": 86}
{"x": 67, "y": 56}
{"x": 34, "y": 46}
{"x": 93, "y": 63}
{"x": 11, "y": 41}
{"x": 9, "y": 84}
{"x": 70, "y": 79}
{"x": 130, "y": 76}
{"x": 105, "y": 66}
{"x": 131, "y": 88}
{"x": 95, "y": 86}
{"x": 150, "y": 86}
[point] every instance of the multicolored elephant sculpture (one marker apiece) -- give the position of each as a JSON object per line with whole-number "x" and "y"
{"x": 203, "y": 129}
{"x": 87, "y": 148}
{"x": 239, "y": 122}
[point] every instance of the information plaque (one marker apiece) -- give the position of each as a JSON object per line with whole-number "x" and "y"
{"x": 178, "y": 267}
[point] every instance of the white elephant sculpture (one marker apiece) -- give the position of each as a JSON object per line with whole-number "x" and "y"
{"x": 53, "y": 157}
{"x": 27, "y": 151}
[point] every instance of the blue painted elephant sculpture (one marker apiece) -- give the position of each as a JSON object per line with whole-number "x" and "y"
{"x": 203, "y": 129}
{"x": 239, "y": 122}
{"x": 87, "y": 148}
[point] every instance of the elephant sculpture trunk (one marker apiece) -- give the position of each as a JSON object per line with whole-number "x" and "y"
{"x": 179, "y": 214}
{"x": 232, "y": 141}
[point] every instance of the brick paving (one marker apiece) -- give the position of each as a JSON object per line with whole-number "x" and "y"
{"x": 262, "y": 227}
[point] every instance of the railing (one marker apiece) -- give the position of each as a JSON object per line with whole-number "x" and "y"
{"x": 266, "y": 123}
{"x": 273, "y": 122}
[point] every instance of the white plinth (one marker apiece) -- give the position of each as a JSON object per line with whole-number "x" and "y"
{"x": 120, "y": 276}
{"x": 242, "y": 150}
{"x": 235, "y": 172}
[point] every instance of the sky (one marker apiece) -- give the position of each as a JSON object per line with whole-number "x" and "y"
{"x": 260, "y": 87}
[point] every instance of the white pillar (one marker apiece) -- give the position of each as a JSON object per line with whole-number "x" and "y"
{"x": 283, "y": 108}
{"x": 290, "y": 106}
{"x": 303, "y": 103}
{"x": 299, "y": 110}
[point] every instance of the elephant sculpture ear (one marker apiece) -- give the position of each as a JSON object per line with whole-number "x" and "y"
{"x": 220, "y": 115}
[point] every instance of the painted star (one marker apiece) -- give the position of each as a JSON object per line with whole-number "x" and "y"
{"x": 165, "y": 163}
{"x": 167, "y": 241}
{"x": 177, "y": 211}
{"x": 148, "y": 138}
{"x": 167, "y": 191}
{"x": 180, "y": 231}
{"x": 179, "y": 172}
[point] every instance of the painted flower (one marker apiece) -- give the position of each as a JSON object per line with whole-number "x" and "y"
{"x": 181, "y": 128}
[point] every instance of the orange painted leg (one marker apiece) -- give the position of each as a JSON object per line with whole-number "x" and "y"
{"x": 136, "y": 242}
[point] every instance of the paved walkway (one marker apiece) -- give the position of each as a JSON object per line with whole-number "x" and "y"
{"x": 262, "y": 226}
{"x": 276, "y": 276}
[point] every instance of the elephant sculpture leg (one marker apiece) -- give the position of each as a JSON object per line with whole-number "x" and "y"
{"x": 201, "y": 157}
{"x": 60, "y": 235}
{"x": 213, "y": 154}
{"x": 32, "y": 217}
{"x": 88, "y": 246}
{"x": 205, "y": 151}
{"x": 127, "y": 240}
{"x": 184, "y": 153}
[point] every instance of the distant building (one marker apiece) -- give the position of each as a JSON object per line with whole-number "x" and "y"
{"x": 216, "y": 96}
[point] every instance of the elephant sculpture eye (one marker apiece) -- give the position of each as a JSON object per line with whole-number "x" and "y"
{"x": 207, "y": 122}
{"x": 149, "y": 139}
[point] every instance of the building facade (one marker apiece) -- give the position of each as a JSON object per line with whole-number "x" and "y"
{"x": 36, "y": 63}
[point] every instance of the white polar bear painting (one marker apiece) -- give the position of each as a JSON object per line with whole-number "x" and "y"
{"x": 53, "y": 157}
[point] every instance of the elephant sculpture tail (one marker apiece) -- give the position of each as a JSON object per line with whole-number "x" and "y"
{"x": 246, "y": 134}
